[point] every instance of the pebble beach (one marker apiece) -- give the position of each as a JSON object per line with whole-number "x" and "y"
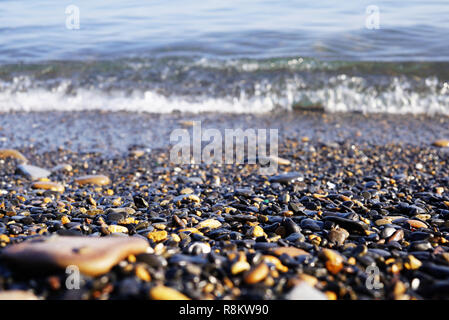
{"x": 358, "y": 209}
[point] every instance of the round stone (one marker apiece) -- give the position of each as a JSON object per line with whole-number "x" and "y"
{"x": 99, "y": 180}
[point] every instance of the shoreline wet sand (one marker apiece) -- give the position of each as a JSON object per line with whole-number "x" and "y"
{"x": 360, "y": 211}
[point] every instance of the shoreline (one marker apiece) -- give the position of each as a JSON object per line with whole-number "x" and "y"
{"x": 116, "y": 132}
{"x": 345, "y": 202}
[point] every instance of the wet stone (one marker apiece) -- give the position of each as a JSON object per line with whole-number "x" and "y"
{"x": 287, "y": 178}
{"x": 99, "y": 180}
{"x": 93, "y": 256}
{"x": 32, "y": 172}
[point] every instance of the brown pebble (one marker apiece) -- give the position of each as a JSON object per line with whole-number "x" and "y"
{"x": 442, "y": 143}
{"x": 11, "y": 153}
{"x": 398, "y": 235}
{"x": 99, "y": 180}
{"x": 166, "y": 293}
{"x": 416, "y": 224}
{"x": 209, "y": 223}
{"x": 334, "y": 261}
{"x": 48, "y": 185}
{"x": 158, "y": 236}
{"x": 92, "y": 255}
{"x": 17, "y": 295}
{"x": 291, "y": 251}
{"x": 257, "y": 274}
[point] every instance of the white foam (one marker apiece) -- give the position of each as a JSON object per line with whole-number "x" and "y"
{"x": 341, "y": 95}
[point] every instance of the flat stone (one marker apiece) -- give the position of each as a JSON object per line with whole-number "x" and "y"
{"x": 48, "y": 185}
{"x": 62, "y": 167}
{"x": 257, "y": 274}
{"x": 32, "y": 172}
{"x": 442, "y": 143}
{"x": 291, "y": 251}
{"x": 117, "y": 229}
{"x": 17, "y": 295}
{"x": 287, "y": 178}
{"x": 166, "y": 293}
{"x": 416, "y": 224}
{"x": 209, "y": 223}
{"x": 99, "y": 180}
{"x": 269, "y": 159}
{"x": 158, "y": 236}
{"x": 338, "y": 236}
{"x": 93, "y": 256}
{"x": 11, "y": 153}
{"x": 303, "y": 291}
{"x": 334, "y": 261}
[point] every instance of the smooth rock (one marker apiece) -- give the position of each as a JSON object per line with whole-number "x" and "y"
{"x": 287, "y": 178}
{"x": 99, "y": 180}
{"x": 257, "y": 274}
{"x": 32, "y": 172}
{"x": 441, "y": 143}
{"x": 293, "y": 252}
{"x": 161, "y": 292}
{"x": 303, "y": 291}
{"x": 11, "y": 153}
{"x": 48, "y": 185}
{"x": 17, "y": 295}
{"x": 92, "y": 255}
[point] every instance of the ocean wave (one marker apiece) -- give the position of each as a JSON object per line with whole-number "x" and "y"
{"x": 229, "y": 86}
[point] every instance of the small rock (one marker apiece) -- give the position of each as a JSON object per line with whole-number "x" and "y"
{"x": 32, "y": 172}
{"x": 17, "y": 295}
{"x": 258, "y": 274}
{"x": 158, "y": 236}
{"x": 48, "y": 185}
{"x": 99, "y": 180}
{"x": 287, "y": 178}
{"x": 166, "y": 293}
{"x": 209, "y": 223}
{"x": 338, "y": 236}
{"x": 291, "y": 251}
{"x": 303, "y": 291}
{"x": 334, "y": 261}
{"x": 92, "y": 255}
{"x": 199, "y": 248}
{"x": 441, "y": 143}
{"x": 116, "y": 228}
{"x": 11, "y": 153}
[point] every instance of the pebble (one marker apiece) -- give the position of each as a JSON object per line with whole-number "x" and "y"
{"x": 11, "y": 153}
{"x": 166, "y": 293}
{"x": 304, "y": 291}
{"x": 290, "y": 251}
{"x": 209, "y": 223}
{"x": 93, "y": 256}
{"x": 412, "y": 263}
{"x": 116, "y": 228}
{"x": 157, "y": 236}
{"x": 32, "y": 172}
{"x": 416, "y": 224}
{"x": 441, "y": 143}
{"x": 99, "y": 180}
{"x": 287, "y": 178}
{"x": 334, "y": 261}
{"x": 338, "y": 236}
{"x": 48, "y": 185}
{"x": 257, "y": 274}
{"x": 17, "y": 295}
{"x": 199, "y": 248}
